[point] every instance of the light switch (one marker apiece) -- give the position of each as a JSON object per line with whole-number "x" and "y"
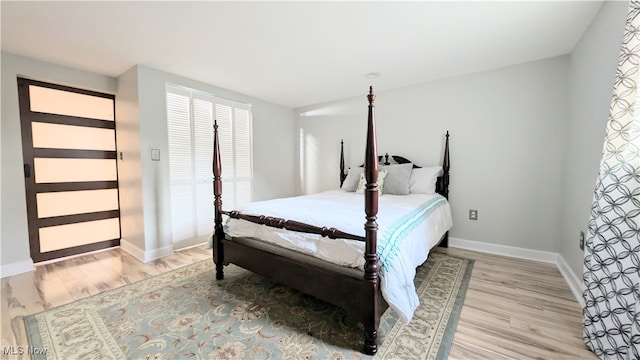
{"x": 155, "y": 154}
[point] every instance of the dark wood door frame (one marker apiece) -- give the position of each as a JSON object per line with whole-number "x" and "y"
{"x": 32, "y": 188}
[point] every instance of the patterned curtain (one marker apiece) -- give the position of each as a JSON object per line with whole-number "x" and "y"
{"x": 612, "y": 253}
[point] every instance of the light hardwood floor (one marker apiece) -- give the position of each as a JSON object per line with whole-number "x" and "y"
{"x": 517, "y": 309}
{"x": 514, "y": 309}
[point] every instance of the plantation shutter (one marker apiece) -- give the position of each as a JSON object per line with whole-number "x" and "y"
{"x": 234, "y": 125}
{"x": 181, "y": 164}
{"x": 203, "y": 168}
{"x": 190, "y": 116}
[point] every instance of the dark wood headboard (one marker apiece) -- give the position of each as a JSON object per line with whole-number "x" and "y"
{"x": 442, "y": 184}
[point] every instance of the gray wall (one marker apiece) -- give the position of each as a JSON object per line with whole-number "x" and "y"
{"x": 141, "y": 126}
{"x": 525, "y": 144}
{"x": 507, "y": 142}
{"x": 130, "y": 166}
{"x": 14, "y": 236}
{"x": 526, "y": 140}
{"x": 592, "y": 73}
{"x": 273, "y": 151}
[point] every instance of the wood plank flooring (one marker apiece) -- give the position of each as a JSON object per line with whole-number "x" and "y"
{"x": 514, "y": 309}
{"x": 517, "y": 309}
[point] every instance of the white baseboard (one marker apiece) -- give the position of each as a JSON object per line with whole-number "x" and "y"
{"x": 142, "y": 255}
{"x": 544, "y": 256}
{"x": 185, "y": 244}
{"x": 133, "y": 250}
{"x": 511, "y": 251}
{"x": 16, "y": 268}
{"x": 196, "y": 245}
{"x": 575, "y": 283}
{"x": 158, "y": 253}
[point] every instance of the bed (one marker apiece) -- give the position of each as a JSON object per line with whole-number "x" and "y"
{"x": 327, "y": 254}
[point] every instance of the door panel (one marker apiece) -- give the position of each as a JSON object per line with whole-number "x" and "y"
{"x": 52, "y": 170}
{"x": 70, "y": 235}
{"x": 68, "y": 144}
{"x": 57, "y": 136}
{"x": 76, "y": 202}
{"x": 45, "y": 99}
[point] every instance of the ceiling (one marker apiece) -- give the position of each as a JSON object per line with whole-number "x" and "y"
{"x": 296, "y": 53}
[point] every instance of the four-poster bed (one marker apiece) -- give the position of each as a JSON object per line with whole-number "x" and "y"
{"x": 356, "y": 290}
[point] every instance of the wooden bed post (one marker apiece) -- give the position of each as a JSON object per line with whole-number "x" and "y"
{"x": 218, "y": 234}
{"x": 343, "y": 175}
{"x": 446, "y": 165}
{"x": 371, "y": 267}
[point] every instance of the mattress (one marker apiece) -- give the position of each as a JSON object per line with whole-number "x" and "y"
{"x": 408, "y": 227}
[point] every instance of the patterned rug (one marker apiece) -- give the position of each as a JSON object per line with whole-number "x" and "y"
{"x": 186, "y": 313}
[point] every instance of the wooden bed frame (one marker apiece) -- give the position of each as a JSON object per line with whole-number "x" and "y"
{"x": 361, "y": 298}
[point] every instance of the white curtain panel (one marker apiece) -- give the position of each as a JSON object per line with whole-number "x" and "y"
{"x": 612, "y": 252}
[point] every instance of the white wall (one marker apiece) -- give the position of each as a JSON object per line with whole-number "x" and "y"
{"x": 14, "y": 236}
{"x": 141, "y": 126}
{"x": 507, "y": 142}
{"x": 130, "y": 165}
{"x": 525, "y": 144}
{"x": 592, "y": 73}
{"x": 273, "y": 151}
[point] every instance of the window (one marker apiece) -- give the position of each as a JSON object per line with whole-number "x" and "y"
{"x": 190, "y": 116}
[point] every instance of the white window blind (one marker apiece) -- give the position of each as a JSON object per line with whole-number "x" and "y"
{"x": 190, "y": 116}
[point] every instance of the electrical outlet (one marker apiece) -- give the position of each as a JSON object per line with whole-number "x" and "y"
{"x": 473, "y": 214}
{"x": 581, "y": 240}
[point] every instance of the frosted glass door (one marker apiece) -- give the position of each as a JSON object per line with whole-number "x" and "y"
{"x": 70, "y": 169}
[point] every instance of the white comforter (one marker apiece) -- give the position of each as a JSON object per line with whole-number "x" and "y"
{"x": 408, "y": 227}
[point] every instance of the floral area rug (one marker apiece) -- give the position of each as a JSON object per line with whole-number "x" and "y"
{"x": 187, "y": 314}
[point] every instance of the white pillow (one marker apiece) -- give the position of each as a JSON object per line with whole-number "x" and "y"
{"x": 362, "y": 185}
{"x": 423, "y": 180}
{"x": 351, "y": 181}
{"x": 397, "y": 180}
